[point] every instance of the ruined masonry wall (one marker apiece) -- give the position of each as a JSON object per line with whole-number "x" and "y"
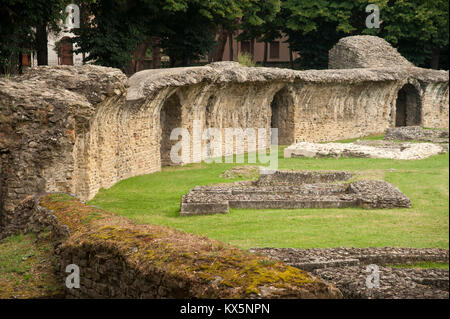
{"x": 80, "y": 129}
{"x": 435, "y": 105}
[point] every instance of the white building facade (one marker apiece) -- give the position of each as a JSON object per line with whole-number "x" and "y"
{"x": 59, "y": 48}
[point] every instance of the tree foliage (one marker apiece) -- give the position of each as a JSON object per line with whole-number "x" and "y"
{"x": 19, "y": 23}
{"x": 114, "y": 30}
{"x": 415, "y": 27}
{"x": 314, "y": 27}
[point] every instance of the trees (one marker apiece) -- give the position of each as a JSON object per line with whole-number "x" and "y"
{"x": 188, "y": 37}
{"x": 184, "y": 29}
{"x": 418, "y": 28}
{"x": 313, "y": 27}
{"x": 111, "y": 36}
{"x": 260, "y": 22}
{"x": 23, "y": 28}
{"x": 119, "y": 33}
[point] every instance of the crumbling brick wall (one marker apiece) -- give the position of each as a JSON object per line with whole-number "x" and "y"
{"x": 78, "y": 129}
{"x": 119, "y": 259}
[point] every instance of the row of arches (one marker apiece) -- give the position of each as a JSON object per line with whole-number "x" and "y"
{"x": 407, "y": 112}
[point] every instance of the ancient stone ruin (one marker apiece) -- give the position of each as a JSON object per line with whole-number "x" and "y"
{"x": 365, "y": 51}
{"x": 120, "y": 259}
{"x": 417, "y": 133}
{"x": 75, "y": 130}
{"x": 347, "y": 268}
{"x": 365, "y": 149}
{"x": 392, "y": 147}
{"x": 79, "y": 129}
{"x": 293, "y": 189}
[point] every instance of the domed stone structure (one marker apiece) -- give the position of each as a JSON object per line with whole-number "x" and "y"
{"x": 365, "y": 51}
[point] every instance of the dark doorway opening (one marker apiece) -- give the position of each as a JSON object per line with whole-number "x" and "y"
{"x": 282, "y": 108}
{"x": 408, "y": 107}
{"x": 170, "y": 118}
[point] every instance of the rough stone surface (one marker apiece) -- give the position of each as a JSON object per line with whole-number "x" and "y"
{"x": 78, "y": 129}
{"x": 417, "y": 133}
{"x": 44, "y": 117}
{"x": 119, "y": 259}
{"x": 241, "y": 172}
{"x": 365, "y": 51}
{"x": 404, "y": 151}
{"x": 290, "y": 189}
{"x": 347, "y": 269}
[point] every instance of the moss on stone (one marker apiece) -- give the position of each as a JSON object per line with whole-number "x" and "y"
{"x": 148, "y": 248}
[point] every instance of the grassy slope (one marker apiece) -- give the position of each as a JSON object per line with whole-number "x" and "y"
{"x": 26, "y": 268}
{"x": 155, "y": 199}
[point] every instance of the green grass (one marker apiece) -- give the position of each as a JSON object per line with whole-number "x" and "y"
{"x": 26, "y": 268}
{"x": 156, "y": 198}
{"x": 367, "y": 138}
{"x": 246, "y": 59}
{"x": 423, "y": 265}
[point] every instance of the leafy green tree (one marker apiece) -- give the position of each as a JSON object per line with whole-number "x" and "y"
{"x": 189, "y": 36}
{"x": 313, "y": 27}
{"x": 111, "y": 36}
{"x": 23, "y": 28}
{"x": 419, "y": 29}
{"x": 185, "y": 28}
{"x": 260, "y": 22}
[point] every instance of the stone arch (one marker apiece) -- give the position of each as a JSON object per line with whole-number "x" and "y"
{"x": 169, "y": 119}
{"x": 209, "y": 111}
{"x": 282, "y": 116}
{"x": 408, "y": 108}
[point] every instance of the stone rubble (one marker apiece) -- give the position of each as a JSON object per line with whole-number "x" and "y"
{"x": 294, "y": 189}
{"x": 405, "y": 151}
{"x": 346, "y": 268}
{"x": 417, "y": 133}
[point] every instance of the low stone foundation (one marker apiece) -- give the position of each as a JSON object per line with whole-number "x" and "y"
{"x": 346, "y": 268}
{"x": 365, "y": 149}
{"x": 417, "y": 133}
{"x": 290, "y": 190}
{"x": 119, "y": 259}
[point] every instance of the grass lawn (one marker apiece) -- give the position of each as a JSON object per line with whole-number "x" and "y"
{"x": 423, "y": 265}
{"x": 156, "y": 198}
{"x": 26, "y": 268}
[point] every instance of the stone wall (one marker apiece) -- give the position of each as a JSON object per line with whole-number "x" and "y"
{"x": 365, "y": 51}
{"x": 293, "y": 190}
{"x": 119, "y": 259}
{"x": 44, "y": 116}
{"x": 435, "y": 105}
{"x": 336, "y": 111}
{"x": 79, "y": 129}
{"x": 348, "y": 269}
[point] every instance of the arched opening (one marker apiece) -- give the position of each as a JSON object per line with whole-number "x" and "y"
{"x": 408, "y": 107}
{"x": 66, "y": 51}
{"x": 282, "y": 108}
{"x": 170, "y": 118}
{"x": 209, "y": 123}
